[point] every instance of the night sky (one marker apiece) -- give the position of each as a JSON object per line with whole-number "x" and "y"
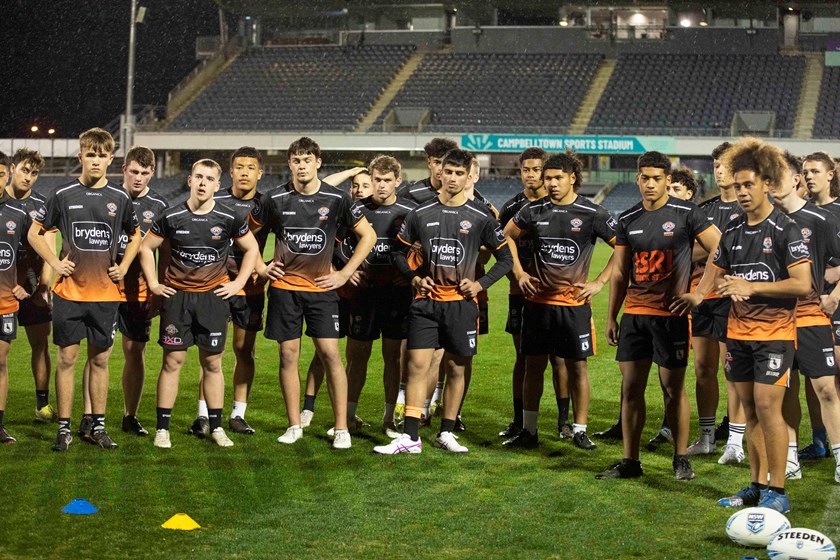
{"x": 66, "y": 61}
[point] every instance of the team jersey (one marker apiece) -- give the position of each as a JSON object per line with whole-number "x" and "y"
{"x": 29, "y": 263}
{"x": 147, "y": 208}
{"x": 819, "y": 231}
{"x": 90, "y": 221}
{"x": 419, "y": 192}
{"x": 762, "y": 253}
{"x": 15, "y": 227}
{"x": 450, "y": 238}
{"x": 720, "y": 213}
{"x": 834, "y": 208}
{"x": 660, "y": 242}
{"x": 199, "y": 245}
{"x": 563, "y": 239}
{"x": 305, "y": 228}
{"x": 242, "y": 209}
{"x": 525, "y": 244}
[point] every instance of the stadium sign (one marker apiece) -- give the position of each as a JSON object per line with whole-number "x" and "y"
{"x": 580, "y": 144}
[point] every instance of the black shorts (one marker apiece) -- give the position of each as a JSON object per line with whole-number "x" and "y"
{"x": 8, "y": 326}
{"x": 652, "y": 337}
{"x": 516, "y": 302}
{"x": 562, "y": 330}
{"x": 835, "y": 326}
{"x": 709, "y": 319}
{"x": 814, "y": 356}
{"x": 451, "y": 325}
{"x": 74, "y": 321}
{"x": 30, "y": 314}
{"x": 379, "y": 311}
{"x": 483, "y": 315}
{"x": 287, "y": 310}
{"x": 134, "y": 320}
{"x": 767, "y": 362}
{"x": 194, "y": 319}
{"x": 246, "y": 312}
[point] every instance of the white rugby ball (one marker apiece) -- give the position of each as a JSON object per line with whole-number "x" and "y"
{"x": 801, "y": 544}
{"x": 755, "y": 527}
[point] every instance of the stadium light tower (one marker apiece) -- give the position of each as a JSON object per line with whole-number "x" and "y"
{"x": 137, "y": 16}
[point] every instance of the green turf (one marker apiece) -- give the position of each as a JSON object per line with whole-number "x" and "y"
{"x": 261, "y": 499}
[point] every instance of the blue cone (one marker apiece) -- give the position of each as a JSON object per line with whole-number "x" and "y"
{"x": 79, "y": 507}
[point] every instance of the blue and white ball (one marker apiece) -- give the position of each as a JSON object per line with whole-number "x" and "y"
{"x": 801, "y": 544}
{"x": 755, "y": 527}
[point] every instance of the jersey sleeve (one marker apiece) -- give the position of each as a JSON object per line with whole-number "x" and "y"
{"x": 604, "y": 226}
{"x": 129, "y": 222}
{"x": 48, "y": 214}
{"x": 698, "y": 221}
{"x": 160, "y": 227}
{"x": 620, "y": 234}
{"x": 262, "y": 212}
{"x": 238, "y": 228}
{"x": 492, "y": 236}
{"x": 833, "y": 240}
{"x": 408, "y": 230}
{"x": 522, "y": 219}
{"x": 795, "y": 250}
{"x": 353, "y": 212}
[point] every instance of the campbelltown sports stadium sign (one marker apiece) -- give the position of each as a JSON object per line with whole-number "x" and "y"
{"x": 580, "y": 144}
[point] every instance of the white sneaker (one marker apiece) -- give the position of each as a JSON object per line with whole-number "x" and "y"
{"x": 293, "y": 433}
{"x": 220, "y": 437}
{"x": 162, "y": 439}
{"x": 732, "y": 455}
{"x": 448, "y": 441}
{"x": 793, "y": 470}
{"x": 837, "y": 474}
{"x": 702, "y": 447}
{"x": 401, "y": 444}
{"x": 306, "y": 418}
{"x": 390, "y": 430}
{"x": 342, "y": 440}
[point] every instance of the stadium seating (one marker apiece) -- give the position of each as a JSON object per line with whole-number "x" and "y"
{"x": 622, "y": 197}
{"x": 697, "y": 94}
{"x": 827, "y": 124}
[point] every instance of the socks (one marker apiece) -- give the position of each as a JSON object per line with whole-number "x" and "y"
{"x": 215, "y": 417}
{"x": 577, "y": 428}
{"x": 98, "y": 422}
{"x": 401, "y": 394}
{"x": 517, "y": 412}
{"x": 42, "y": 399}
{"x": 411, "y": 425}
{"x": 777, "y": 490}
{"x": 447, "y": 425}
{"x": 63, "y": 424}
{"x": 736, "y": 434}
{"x": 793, "y": 453}
{"x": 164, "y": 415}
{"x": 309, "y": 403}
{"x": 438, "y": 391}
{"x": 835, "y": 450}
{"x": 707, "y": 429}
{"x": 388, "y": 417}
{"x": 563, "y": 409}
{"x": 202, "y": 408}
{"x": 2, "y": 413}
{"x": 529, "y": 420}
{"x": 426, "y": 404}
{"x": 238, "y": 409}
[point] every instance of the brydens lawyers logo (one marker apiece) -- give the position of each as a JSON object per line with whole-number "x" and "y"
{"x": 668, "y": 229}
{"x": 768, "y": 245}
{"x": 576, "y": 223}
{"x": 324, "y": 212}
{"x": 216, "y": 232}
{"x": 465, "y": 226}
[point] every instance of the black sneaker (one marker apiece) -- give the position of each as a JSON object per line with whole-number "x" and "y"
{"x": 512, "y": 429}
{"x": 722, "y": 431}
{"x": 627, "y": 468}
{"x": 5, "y": 437}
{"x": 582, "y": 440}
{"x": 200, "y": 428}
{"x": 101, "y": 438}
{"x": 85, "y": 427}
{"x": 523, "y": 440}
{"x": 459, "y": 424}
{"x": 238, "y": 425}
{"x": 613, "y": 432}
{"x": 131, "y": 425}
{"x": 661, "y": 437}
{"x": 62, "y": 441}
{"x": 682, "y": 468}
{"x": 565, "y": 430}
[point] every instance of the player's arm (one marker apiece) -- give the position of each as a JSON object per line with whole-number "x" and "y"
{"x": 36, "y": 238}
{"x": 619, "y": 280}
{"x": 708, "y": 241}
{"x": 798, "y": 284}
{"x": 337, "y": 178}
{"x": 41, "y": 296}
{"x": 150, "y": 244}
{"x": 118, "y": 272}
{"x": 492, "y": 236}
{"x": 589, "y": 290}
{"x": 830, "y": 301}
{"x": 251, "y": 254}
{"x": 366, "y": 240}
{"x": 527, "y": 283}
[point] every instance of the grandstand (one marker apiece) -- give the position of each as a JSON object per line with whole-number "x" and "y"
{"x": 827, "y": 124}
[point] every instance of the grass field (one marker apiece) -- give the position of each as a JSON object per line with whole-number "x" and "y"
{"x": 261, "y": 499}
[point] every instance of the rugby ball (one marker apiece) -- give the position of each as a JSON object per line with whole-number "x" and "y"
{"x": 755, "y": 527}
{"x": 801, "y": 544}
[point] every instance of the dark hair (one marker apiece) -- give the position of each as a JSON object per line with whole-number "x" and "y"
{"x": 793, "y": 162}
{"x": 97, "y": 139}
{"x": 654, "y": 159}
{"x": 303, "y": 146}
{"x": 438, "y": 147}
{"x": 532, "y": 153}
{"x": 142, "y": 155}
{"x": 247, "y": 152}
{"x": 685, "y": 177}
{"x": 830, "y": 165}
{"x": 4, "y": 159}
{"x": 458, "y": 158}
{"x": 766, "y": 161}
{"x": 567, "y": 162}
{"x": 718, "y": 151}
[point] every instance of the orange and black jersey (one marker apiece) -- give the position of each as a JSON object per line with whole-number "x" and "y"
{"x": 29, "y": 263}
{"x": 419, "y": 192}
{"x": 833, "y": 208}
{"x": 563, "y": 242}
{"x": 306, "y": 229}
{"x": 15, "y": 227}
{"x": 660, "y": 242}
{"x": 762, "y": 253}
{"x": 525, "y": 243}
{"x": 147, "y": 208}
{"x": 90, "y": 221}
{"x": 720, "y": 213}
{"x": 242, "y": 209}
{"x": 450, "y": 238}
{"x": 199, "y": 245}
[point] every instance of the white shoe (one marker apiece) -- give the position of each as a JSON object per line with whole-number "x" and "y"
{"x": 293, "y": 433}
{"x": 732, "y": 455}
{"x": 837, "y": 474}
{"x": 162, "y": 439}
{"x": 401, "y": 444}
{"x": 342, "y": 440}
{"x": 702, "y": 447}
{"x": 220, "y": 437}
{"x": 793, "y": 471}
{"x": 449, "y": 441}
{"x": 306, "y": 418}
{"x": 390, "y": 430}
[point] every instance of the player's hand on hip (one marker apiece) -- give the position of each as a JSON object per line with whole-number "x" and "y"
{"x": 422, "y": 285}
{"x": 736, "y": 288}
{"x": 65, "y": 267}
{"x": 227, "y": 290}
{"x": 162, "y": 290}
{"x": 469, "y": 288}
{"x": 273, "y": 271}
{"x": 358, "y": 279}
{"x": 529, "y": 285}
{"x": 588, "y": 290}
{"x": 828, "y": 304}
{"x": 19, "y": 292}
{"x": 116, "y": 273}
{"x": 682, "y": 305}
{"x": 331, "y": 281}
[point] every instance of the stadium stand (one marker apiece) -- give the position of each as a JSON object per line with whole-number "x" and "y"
{"x": 622, "y": 197}
{"x": 697, "y": 95}
{"x": 295, "y": 88}
{"x": 827, "y": 124}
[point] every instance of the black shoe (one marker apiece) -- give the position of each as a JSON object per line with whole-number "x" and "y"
{"x": 85, "y": 427}
{"x": 682, "y": 468}
{"x": 582, "y": 440}
{"x": 101, "y": 438}
{"x": 722, "y": 431}
{"x": 627, "y": 468}
{"x": 238, "y": 425}
{"x": 459, "y": 424}
{"x": 131, "y": 425}
{"x": 523, "y": 440}
{"x": 565, "y": 430}
{"x": 613, "y": 432}
{"x": 62, "y": 440}
{"x": 5, "y": 437}
{"x": 200, "y": 428}
{"x": 512, "y": 429}
{"x": 662, "y": 436}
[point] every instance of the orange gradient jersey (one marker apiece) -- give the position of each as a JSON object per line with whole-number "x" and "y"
{"x": 147, "y": 208}
{"x": 14, "y": 225}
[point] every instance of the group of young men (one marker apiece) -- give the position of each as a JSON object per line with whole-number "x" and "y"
{"x": 755, "y": 269}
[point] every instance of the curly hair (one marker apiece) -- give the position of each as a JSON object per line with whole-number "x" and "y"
{"x": 751, "y": 154}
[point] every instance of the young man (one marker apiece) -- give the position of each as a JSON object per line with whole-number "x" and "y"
{"x": 450, "y": 232}
{"x": 35, "y": 276}
{"x": 196, "y": 284}
{"x": 557, "y": 317}
{"x": 428, "y": 188}
{"x": 305, "y": 217}
{"x": 246, "y": 307}
{"x": 89, "y": 214}
{"x": 652, "y": 269}
{"x": 763, "y": 265}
